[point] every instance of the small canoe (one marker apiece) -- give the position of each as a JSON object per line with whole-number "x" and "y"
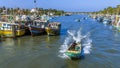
{"x": 74, "y": 51}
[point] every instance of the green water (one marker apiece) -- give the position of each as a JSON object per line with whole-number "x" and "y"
{"x": 42, "y": 51}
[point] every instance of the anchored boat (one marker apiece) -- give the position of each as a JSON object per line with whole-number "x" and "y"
{"x": 8, "y": 27}
{"x": 106, "y": 21}
{"x": 37, "y": 27}
{"x": 77, "y": 20}
{"x": 74, "y": 51}
{"x": 53, "y": 28}
{"x": 11, "y": 29}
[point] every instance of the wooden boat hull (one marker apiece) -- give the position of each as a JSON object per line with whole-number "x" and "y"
{"x": 73, "y": 54}
{"x": 52, "y": 32}
{"x": 9, "y": 33}
{"x": 74, "y": 51}
{"x": 53, "y": 28}
{"x": 36, "y": 31}
{"x": 27, "y": 31}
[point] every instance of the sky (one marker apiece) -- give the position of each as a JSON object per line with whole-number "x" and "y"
{"x": 66, "y": 5}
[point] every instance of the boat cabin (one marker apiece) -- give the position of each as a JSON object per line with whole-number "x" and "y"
{"x": 54, "y": 25}
{"x": 39, "y": 23}
{"x": 8, "y": 26}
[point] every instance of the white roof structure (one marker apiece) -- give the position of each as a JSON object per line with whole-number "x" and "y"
{"x": 33, "y": 10}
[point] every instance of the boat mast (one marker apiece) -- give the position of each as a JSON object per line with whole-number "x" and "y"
{"x": 35, "y": 8}
{"x": 35, "y": 4}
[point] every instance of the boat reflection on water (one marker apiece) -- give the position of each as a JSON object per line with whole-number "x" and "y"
{"x": 51, "y": 40}
{"x": 8, "y": 42}
{"x": 48, "y": 39}
{"x": 16, "y": 42}
{"x": 116, "y": 35}
{"x": 8, "y": 47}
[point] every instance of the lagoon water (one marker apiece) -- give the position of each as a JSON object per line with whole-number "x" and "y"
{"x": 43, "y": 51}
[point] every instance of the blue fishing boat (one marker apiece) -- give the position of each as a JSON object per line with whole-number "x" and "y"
{"x": 100, "y": 19}
{"x": 77, "y": 20}
{"x": 106, "y": 21}
{"x": 37, "y": 27}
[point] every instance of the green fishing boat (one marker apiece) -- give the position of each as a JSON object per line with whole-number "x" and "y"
{"x": 74, "y": 51}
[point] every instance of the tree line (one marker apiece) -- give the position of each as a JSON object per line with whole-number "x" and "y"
{"x": 18, "y": 10}
{"x": 110, "y": 10}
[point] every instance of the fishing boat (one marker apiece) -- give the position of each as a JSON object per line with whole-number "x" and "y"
{"x": 116, "y": 24}
{"x": 99, "y": 19}
{"x": 84, "y": 18}
{"x": 106, "y": 21}
{"x": 68, "y": 14}
{"x": 53, "y": 28}
{"x": 74, "y": 51}
{"x": 77, "y": 20}
{"x": 37, "y": 27}
{"x": 11, "y": 29}
{"x": 8, "y": 27}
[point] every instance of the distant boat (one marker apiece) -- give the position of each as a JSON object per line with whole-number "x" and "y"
{"x": 84, "y": 18}
{"x": 53, "y": 28}
{"x": 37, "y": 27}
{"x": 74, "y": 51}
{"x": 100, "y": 19}
{"x": 68, "y": 14}
{"x": 77, "y": 20}
{"x": 106, "y": 21}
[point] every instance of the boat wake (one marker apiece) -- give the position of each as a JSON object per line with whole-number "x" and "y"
{"x": 78, "y": 37}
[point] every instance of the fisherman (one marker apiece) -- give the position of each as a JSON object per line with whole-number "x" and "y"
{"x": 73, "y": 46}
{"x": 77, "y": 47}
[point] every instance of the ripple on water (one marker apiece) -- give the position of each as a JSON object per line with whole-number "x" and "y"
{"x": 112, "y": 51}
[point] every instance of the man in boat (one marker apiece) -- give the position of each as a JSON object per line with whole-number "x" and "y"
{"x": 75, "y": 46}
{"x": 72, "y": 47}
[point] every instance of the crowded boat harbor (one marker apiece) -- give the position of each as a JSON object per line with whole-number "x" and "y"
{"x": 113, "y": 20}
{"x": 19, "y": 25}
